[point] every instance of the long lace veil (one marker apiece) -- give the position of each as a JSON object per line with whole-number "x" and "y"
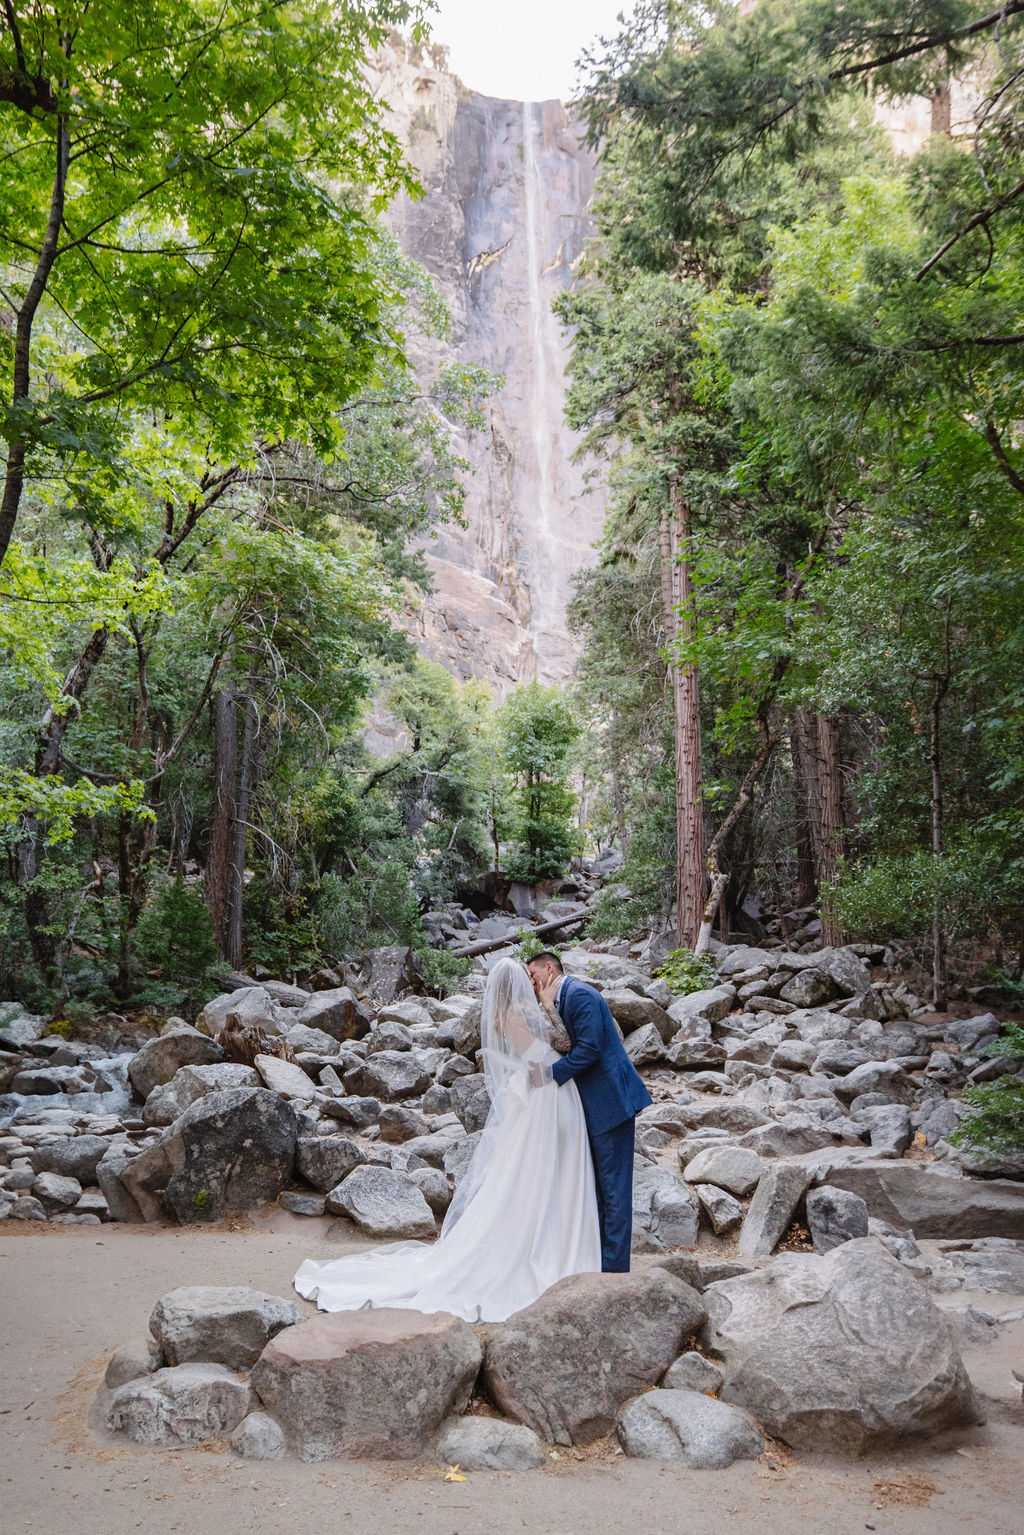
{"x": 515, "y": 1037}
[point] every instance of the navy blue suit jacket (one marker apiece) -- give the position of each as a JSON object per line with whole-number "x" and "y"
{"x": 608, "y": 1083}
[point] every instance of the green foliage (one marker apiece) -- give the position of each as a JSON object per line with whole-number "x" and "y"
{"x": 175, "y": 956}
{"x": 440, "y": 971}
{"x": 996, "y": 1121}
{"x": 537, "y": 732}
{"x": 529, "y": 947}
{"x": 685, "y": 971}
{"x": 896, "y": 894}
{"x": 61, "y": 1028}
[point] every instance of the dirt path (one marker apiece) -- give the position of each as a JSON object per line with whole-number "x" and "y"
{"x": 69, "y": 1296}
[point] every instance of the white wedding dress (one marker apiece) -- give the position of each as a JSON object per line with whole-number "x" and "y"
{"x": 525, "y": 1212}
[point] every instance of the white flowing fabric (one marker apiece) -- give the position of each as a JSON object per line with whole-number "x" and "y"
{"x": 525, "y": 1212}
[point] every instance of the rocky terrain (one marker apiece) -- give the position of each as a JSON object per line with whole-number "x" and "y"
{"x": 803, "y": 1103}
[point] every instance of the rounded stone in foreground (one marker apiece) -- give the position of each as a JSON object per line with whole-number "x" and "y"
{"x": 258, "y": 1437}
{"x": 489, "y": 1444}
{"x": 131, "y": 1361}
{"x": 373, "y": 1384}
{"x": 222, "y": 1324}
{"x": 692, "y": 1429}
{"x": 693, "y": 1372}
{"x": 185, "y": 1405}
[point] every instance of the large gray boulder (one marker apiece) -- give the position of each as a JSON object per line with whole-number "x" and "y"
{"x": 775, "y": 1201}
{"x": 840, "y": 1353}
{"x": 181, "y": 1406}
{"x": 285, "y": 1078}
{"x": 471, "y": 1101}
{"x": 665, "y": 1213}
{"x": 232, "y": 1150}
{"x": 72, "y": 1156}
{"x": 121, "y": 1204}
{"x": 159, "y": 1059}
{"x": 690, "y": 1428}
{"x": 632, "y": 1011}
{"x": 808, "y": 988}
{"x": 337, "y": 1012}
{"x": 383, "y": 1203}
{"x": 489, "y": 1444}
{"x": 221, "y": 1324}
{"x": 373, "y": 1384}
{"x": 698, "y": 1010}
{"x": 734, "y": 1168}
{"x": 931, "y": 1203}
{"x": 389, "y": 1075}
{"x": 462, "y": 1034}
{"x": 325, "y": 1160}
{"x": 258, "y": 1437}
{"x": 253, "y": 1007}
{"x": 566, "y": 1364}
{"x": 645, "y": 1046}
{"x": 190, "y": 1083}
{"x": 391, "y": 971}
{"x": 835, "y": 1216}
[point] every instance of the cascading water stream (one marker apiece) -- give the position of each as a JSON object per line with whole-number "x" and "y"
{"x": 544, "y": 383}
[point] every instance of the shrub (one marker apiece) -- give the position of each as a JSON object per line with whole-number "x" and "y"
{"x": 685, "y": 971}
{"x": 996, "y": 1121}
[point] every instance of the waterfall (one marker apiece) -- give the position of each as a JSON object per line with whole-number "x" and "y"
{"x": 544, "y": 383}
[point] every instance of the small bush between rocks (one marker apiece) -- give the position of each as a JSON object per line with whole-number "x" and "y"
{"x": 685, "y": 971}
{"x": 996, "y": 1122}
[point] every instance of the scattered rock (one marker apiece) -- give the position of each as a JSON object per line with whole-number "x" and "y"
{"x": 72, "y": 1156}
{"x": 258, "y": 1437}
{"x": 701, "y": 1008}
{"x": 354, "y": 1111}
{"x": 489, "y": 1444}
{"x": 253, "y": 1007}
{"x": 181, "y": 1406}
{"x": 692, "y": 1372}
{"x": 55, "y": 1192}
{"x": 835, "y": 1216}
{"x": 692, "y": 1429}
{"x": 132, "y": 1361}
{"x": 932, "y": 1203}
{"x": 390, "y": 1075}
{"x": 723, "y": 1211}
{"x": 391, "y": 971}
{"x": 782, "y": 1186}
{"x": 734, "y": 1168}
{"x": 301, "y": 1202}
{"x": 838, "y": 1353}
{"x": 374, "y": 1384}
{"x": 159, "y": 1059}
{"x": 383, "y": 1204}
{"x": 190, "y": 1083}
{"x": 325, "y": 1160}
{"x": 566, "y": 1364}
{"x": 26, "y": 1209}
{"x": 471, "y": 1101}
{"x": 632, "y": 1011}
{"x": 398, "y": 1125}
{"x": 336, "y": 1012}
{"x": 664, "y": 1210}
{"x": 285, "y": 1077}
{"x": 223, "y": 1324}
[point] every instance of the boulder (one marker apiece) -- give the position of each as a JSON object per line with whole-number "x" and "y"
{"x": 26, "y": 1208}
{"x": 692, "y": 1372}
{"x": 389, "y": 1035}
{"x": 383, "y": 1203}
{"x": 302, "y": 1202}
{"x": 181, "y": 1406}
{"x": 696, "y": 1054}
{"x": 43, "y": 1081}
{"x": 886, "y": 1077}
{"x": 723, "y": 1211}
{"x": 733, "y": 961}
{"x": 391, "y": 971}
{"x": 336, "y": 1012}
{"x": 835, "y": 1216}
{"x": 71, "y": 1156}
{"x": 285, "y": 1078}
{"x": 373, "y": 1384}
{"x": 889, "y": 1128}
{"x": 165, "y": 1104}
{"x": 489, "y": 1444}
{"x": 933, "y": 1203}
{"x": 159, "y": 1059}
{"x": 701, "y": 1009}
{"x": 222, "y": 1324}
{"x": 286, "y": 994}
{"x": 471, "y": 1101}
{"x": 121, "y": 1204}
{"x": 132, "y": 1361}
{"x": 632, "y": 1012}
{"x": 775, "y": 1201}
{"x": 459, "y": 1155}
{"x": 664, "y": 1210}
{"x": 302, "y": 1037}
{"x": 434, "y": 1187}
{"x": 690, "y": 1428}
{"x": 462, "y": 1034}
{"x": 847, "y": 971}
{"x": 726, "y": 1115}
{"x": 232, "y": 1150}
{"x": 325, "y": 1160}
{"x": 808, "y": 988}
{"x": 352, "y": 1110}
{"x": 645, "y": 1046}
{"x": 253, "y": 1007}
{"x": 398, "y": 1125}
{"x": 390, "y": 1075}
{"x": 18, "y": 1029}
{"x": 566, "y": 1364}
{"x": 734, "y": 1168}
{"x": 56, "y": 1192}
{"x": 258, "y": 1437}
{"x": 843, "y": 1352}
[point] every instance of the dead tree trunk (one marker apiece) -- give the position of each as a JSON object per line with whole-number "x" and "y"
{"x": 830, "y": 850}
{"x": 680, "y": 619}
{"x": 241, "y": 828}
{"x": 806, "y": 883}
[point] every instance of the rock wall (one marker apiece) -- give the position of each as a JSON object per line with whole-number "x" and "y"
{"x": 500, "y": 228}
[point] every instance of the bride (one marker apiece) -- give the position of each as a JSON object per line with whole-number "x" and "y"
{"x": 525, "y": 1212}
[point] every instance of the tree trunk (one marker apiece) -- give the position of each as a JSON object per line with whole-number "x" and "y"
{"x": 217, "y": 878}
{"x": 620, "y": 811}
{"x": 940, "y": 993}
{"x": 241, "y": 828}
{"x": 680, "y": 625}
{"x": 830, "y": 848}
{"x": 806, "y": 883}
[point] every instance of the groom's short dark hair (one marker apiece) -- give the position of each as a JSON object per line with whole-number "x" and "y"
{"x": 547, "y": 954}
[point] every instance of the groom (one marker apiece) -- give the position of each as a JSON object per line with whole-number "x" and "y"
{"x": 610, "y": 1090}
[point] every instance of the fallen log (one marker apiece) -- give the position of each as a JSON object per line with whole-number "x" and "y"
{"x": 487, "y": 945}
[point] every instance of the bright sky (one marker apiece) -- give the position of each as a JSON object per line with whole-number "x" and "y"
{"x": 522, "y": 49}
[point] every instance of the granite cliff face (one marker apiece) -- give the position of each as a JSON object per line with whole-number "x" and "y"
{"x": 500, "y": 229}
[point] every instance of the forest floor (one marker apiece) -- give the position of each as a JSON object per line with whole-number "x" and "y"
{"x": 70, "y": 1295}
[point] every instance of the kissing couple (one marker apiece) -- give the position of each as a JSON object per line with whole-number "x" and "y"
{"x": 548, "y": 1191}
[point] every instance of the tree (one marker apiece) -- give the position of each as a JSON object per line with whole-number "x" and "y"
{"x": 537, "y": 733}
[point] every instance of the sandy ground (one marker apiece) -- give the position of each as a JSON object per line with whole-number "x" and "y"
{"x": 69, "y": 1296}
